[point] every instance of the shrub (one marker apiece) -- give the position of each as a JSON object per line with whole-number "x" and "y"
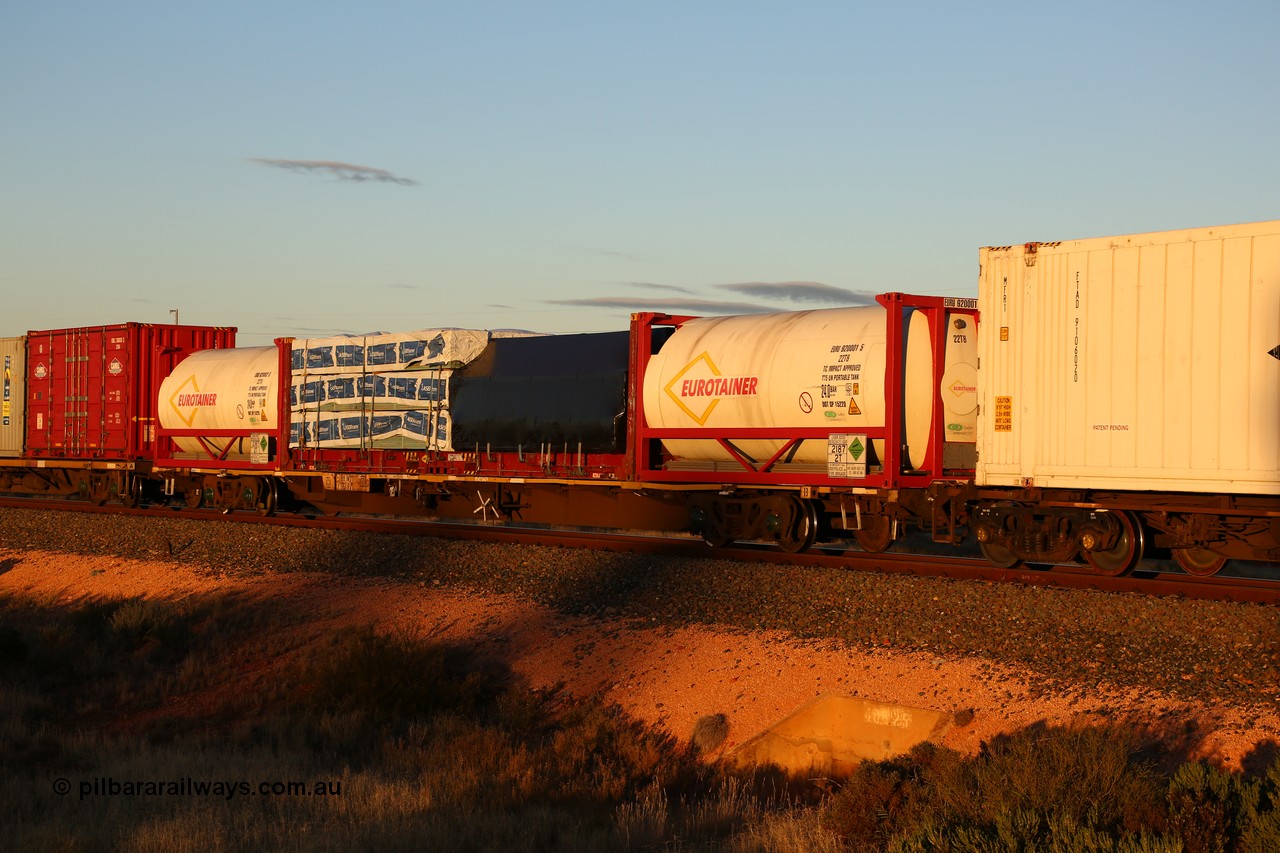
{"x": 1035, "y": 789}
{"x": 709, "y": 732}
{"x": 399, "y": 676}
{"x": 91, "y": 620}
{"x": 157, "y": 626}
{"x": 1212, "y": 810}
{"x": 1084, "y": 773}
{"x": 13, "y": 648}
{"x": 867, "y": 811}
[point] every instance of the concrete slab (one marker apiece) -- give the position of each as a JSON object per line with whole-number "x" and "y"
{"x": 831, "y": 735}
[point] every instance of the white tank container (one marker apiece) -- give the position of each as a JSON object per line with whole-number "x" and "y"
{"x": 219, "y": 390}
{"x": 823, "y": 368}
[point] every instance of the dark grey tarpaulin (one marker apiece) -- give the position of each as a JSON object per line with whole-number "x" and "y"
{"x": 555, "y": 389}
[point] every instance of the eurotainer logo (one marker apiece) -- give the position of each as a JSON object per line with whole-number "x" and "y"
{"x": 700, "y": 386}
{"x": 188, "y": 400}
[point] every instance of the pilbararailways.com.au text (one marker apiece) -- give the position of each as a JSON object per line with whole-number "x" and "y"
{"x": 108, "y": 786}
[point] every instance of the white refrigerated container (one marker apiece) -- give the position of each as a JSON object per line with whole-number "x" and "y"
{"x": 1139, "y": 362}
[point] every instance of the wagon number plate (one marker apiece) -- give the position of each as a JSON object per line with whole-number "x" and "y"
{"x": 346, "y": 482}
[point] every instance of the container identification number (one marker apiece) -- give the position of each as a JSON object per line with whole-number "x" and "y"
{"x": 843, "y": 375}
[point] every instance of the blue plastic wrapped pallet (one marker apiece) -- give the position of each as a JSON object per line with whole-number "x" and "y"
{"x": 384, "y": 351}
{"x": 378, "y": 391}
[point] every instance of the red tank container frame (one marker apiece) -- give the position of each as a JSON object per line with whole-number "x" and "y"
{"x": 274, "y": 457}
{"x": 645, "y": 441}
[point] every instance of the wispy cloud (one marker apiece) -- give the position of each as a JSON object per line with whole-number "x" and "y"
{"x": 801, "y": 291}
{"x": 649, "y": 285}
{"x": 672, "y": 304}
{"x": 335, "y": 169}
{"x": 790, "y": 291}
{"x": 323, "y": 331}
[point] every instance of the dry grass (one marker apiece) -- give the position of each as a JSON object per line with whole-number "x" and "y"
{"x": 420, "y": 745}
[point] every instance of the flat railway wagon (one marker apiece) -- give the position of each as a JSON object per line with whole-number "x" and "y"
{"x": 1113, "y": 396}
{"x": 679, "y": 421}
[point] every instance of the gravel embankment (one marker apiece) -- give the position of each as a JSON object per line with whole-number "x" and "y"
{"x": 1065, "y": 640}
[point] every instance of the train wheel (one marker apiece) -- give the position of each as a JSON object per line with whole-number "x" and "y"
{"x": 131, "y": 491}
{"x": 1125, "y": 554}
{"x": 876, "y": 534}
{"x": 100, "y": 490}
{"x": 716, "y": 538}
{"x": 999, "y": 555}
{"x": 711, "y": 522}
{"x": 268, "y": 496}
{"x": 803, "y": 531}
{"x": 1200, "y": 562}
{"x": 193, "y": 496}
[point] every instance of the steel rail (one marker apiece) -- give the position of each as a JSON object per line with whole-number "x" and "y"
{"x": 1141, "y": 581}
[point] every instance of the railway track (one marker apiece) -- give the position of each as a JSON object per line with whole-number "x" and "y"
{"x": 1061, "y": 640}
{"x": 1152, "y": 577}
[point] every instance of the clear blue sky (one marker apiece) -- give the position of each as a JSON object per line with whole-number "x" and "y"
{"x": 311, "y": 168}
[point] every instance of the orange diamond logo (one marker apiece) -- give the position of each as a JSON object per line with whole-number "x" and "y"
{"x": 700, "y": 368}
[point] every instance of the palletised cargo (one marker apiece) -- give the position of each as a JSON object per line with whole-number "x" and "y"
{"x": 410, "y": 429}
{"x": 93, "y": 392}
{"x": 13, "y": 353}
{"x": 1143, "y": 362}
{"x": 383, "y": 351}
{"x": 401, "y": 390}
{"x": 387, "y": 391}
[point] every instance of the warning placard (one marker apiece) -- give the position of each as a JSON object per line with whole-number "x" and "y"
{"x": 259, "y": 448}
{"x": 847, "y": 455}
{"x": 1004, "y": 414}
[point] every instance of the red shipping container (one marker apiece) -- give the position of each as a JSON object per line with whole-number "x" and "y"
{"x": 92, "y": 392}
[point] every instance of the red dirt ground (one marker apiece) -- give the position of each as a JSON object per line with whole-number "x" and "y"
{"x": 664, "y": 676}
